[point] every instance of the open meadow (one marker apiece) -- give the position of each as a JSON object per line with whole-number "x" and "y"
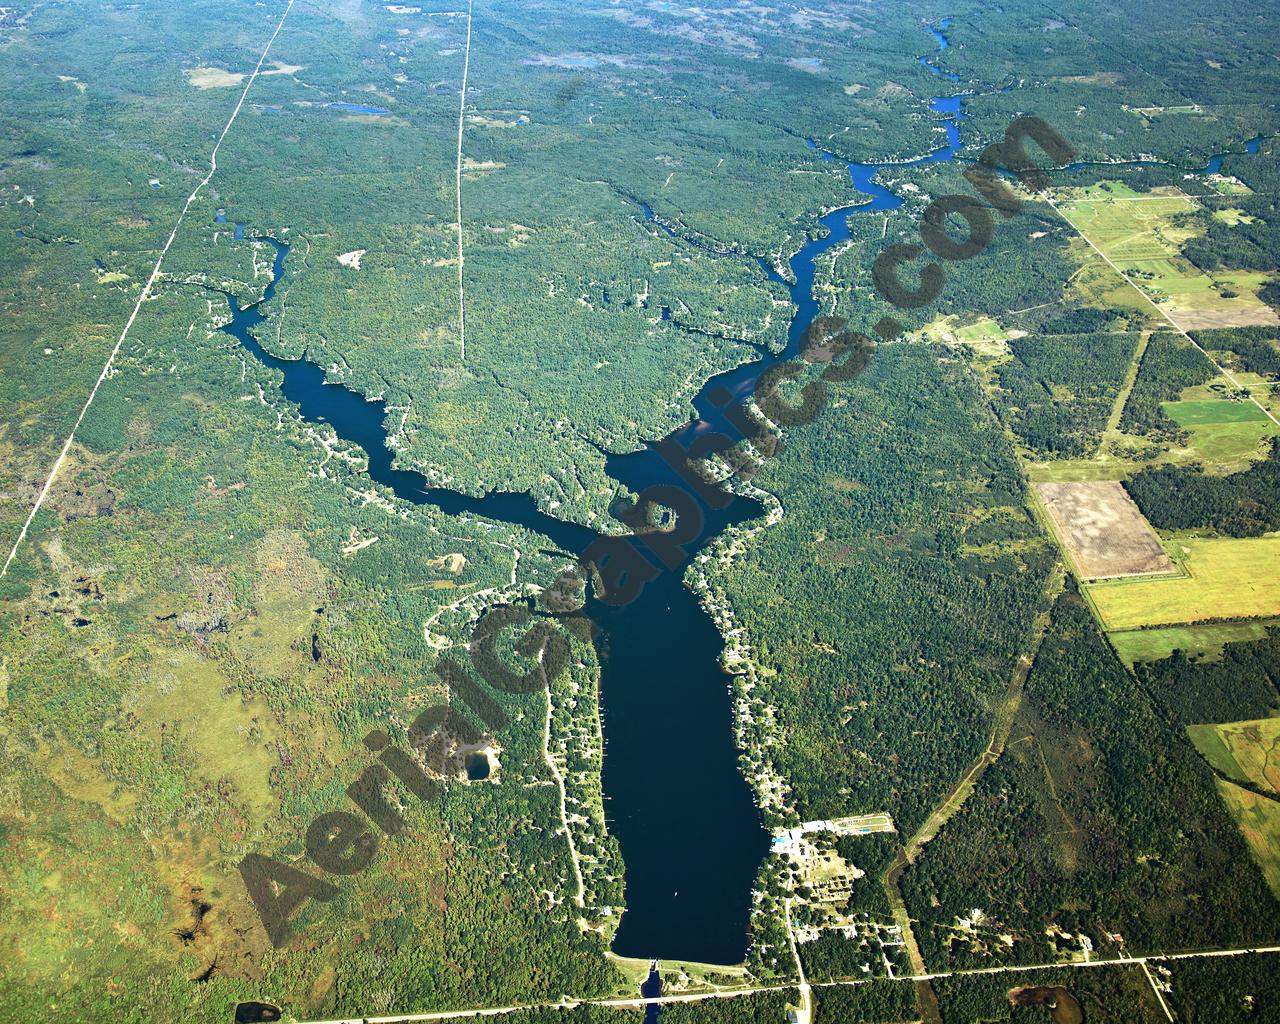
{"x": 1245, "y": 751}
{"x": 1203, "y": 641}
{"x": 1227, "y": 578}
{"x": 1143, "y": 235}
{"x": 1259, "y": 821}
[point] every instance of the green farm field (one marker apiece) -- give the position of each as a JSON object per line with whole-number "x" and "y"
{"x": 1244, "y": 751}
{"x": 1204, "y": 641}
{"x": 1198, "y": 413}
{"x": 1259, "y": 821}
{"x": 1224, "y": 435}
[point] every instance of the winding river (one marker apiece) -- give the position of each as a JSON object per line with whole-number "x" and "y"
{"x": 691, "y": 835}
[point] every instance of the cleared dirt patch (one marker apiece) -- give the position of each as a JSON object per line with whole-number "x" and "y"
{"x": 1256, "y": 316}
{"x": 1102, "y": 530}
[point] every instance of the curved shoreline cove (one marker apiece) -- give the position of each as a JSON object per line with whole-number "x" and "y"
{"x": 684, "y": 815}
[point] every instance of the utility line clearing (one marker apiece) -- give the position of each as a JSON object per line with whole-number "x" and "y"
{"x": 146, "y": 293}
{"x": 457, "y": 176}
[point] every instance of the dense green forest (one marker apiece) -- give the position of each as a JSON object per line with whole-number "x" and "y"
{"x": 1060, "y": 389}
{"x": 832, "y": 597}
{"x": 217, "y": 616}
{"x": 1108, "y": 995}
{"x": 1242, "y": 684}
{"x": 763, "y": 1006}
{"x": 1100, "y": 821}
{"x": 1244, "y": 504}
{"x": 875, "y": 1002}
{"x": 213, "y": 689}
{"x": 1222, "y": 989}
{"x": 1257, "y": 347}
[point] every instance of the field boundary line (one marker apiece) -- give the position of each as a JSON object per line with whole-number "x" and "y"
{"x": 146, "y": 293}
{"x": 1136, "y": 199}
{"x": 1172, "y": 323}
{"x": 1112, "y": 428}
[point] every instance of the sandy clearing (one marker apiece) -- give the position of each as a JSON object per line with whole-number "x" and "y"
{"x": 212, "y": 78}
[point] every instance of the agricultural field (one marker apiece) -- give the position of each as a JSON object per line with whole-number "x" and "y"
{"x": 1224, "y": 433}
{"x": 1095, "y": 284}
{"x": 1102, "y": 530}
{"x": 1195, "y": 413}
{"x": 1201, "y": 641}
{"x": 1143, "y": 234}
{"x": 1243, "y": 751}
{"x": 1226, "y": 578}
{"x": 1259, "y": 820}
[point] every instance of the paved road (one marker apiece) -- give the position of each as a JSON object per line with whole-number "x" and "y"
{"x": 693, "y": 997}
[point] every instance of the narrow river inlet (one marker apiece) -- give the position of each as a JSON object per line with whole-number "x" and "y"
{"x": 685, "y": 817}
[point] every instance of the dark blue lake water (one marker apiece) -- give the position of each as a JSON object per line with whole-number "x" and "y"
{"x": 690, "y": 833}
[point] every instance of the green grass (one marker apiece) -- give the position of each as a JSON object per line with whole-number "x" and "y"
{"x": 1209, "y": 741}
{"x": 985, "y": 329}
{"x": 1244, "y": 751}
{"x": 1259, "y": 821}
{"x": 1104, "y": 190}
{"x": 1232, "y": 188}
{"x": 1225, "y": 435}
{"x": 1222, "y": 410}
{"x": 1205, "y": 641}
{"x": 1101, "y": 467}
{"x": 1230, "y": 447}
{"x": 1233, "y": 215}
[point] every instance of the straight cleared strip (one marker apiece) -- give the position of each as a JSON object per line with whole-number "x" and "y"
{"x": 457, "y": 175}
{"x": 146, "y": 292}
{"x": 1159, "y": 995}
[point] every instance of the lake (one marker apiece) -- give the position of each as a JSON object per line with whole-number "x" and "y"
{"x": 691, "y": 836}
